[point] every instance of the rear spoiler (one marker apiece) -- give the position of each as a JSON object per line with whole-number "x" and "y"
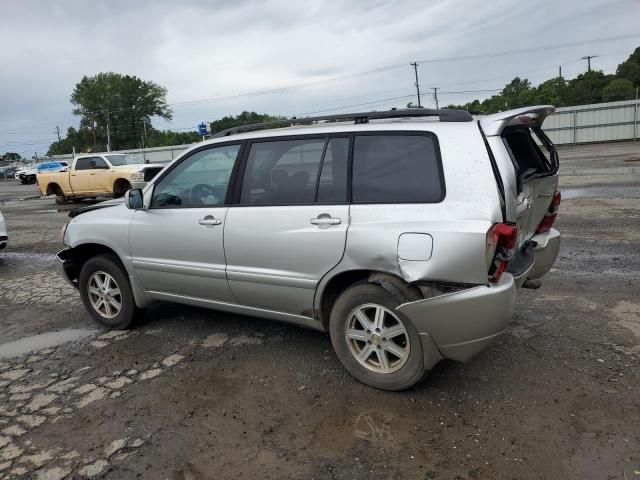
{"x": 531, "y": 116}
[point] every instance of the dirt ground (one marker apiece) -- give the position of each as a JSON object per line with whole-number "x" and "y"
{"x": 196, "y": 394}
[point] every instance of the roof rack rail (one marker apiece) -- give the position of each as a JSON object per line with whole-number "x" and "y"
{"x": 444, "y": 115}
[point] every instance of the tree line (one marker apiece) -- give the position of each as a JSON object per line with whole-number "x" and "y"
{"x": 589, "y": 87}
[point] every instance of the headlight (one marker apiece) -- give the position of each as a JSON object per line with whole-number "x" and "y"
{"x": 63, "y": 232}
{"x": 138, "y": 176}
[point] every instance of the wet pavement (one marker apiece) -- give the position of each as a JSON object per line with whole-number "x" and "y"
{"x": 197, "y": 394}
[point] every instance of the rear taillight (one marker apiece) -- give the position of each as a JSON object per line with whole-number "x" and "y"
{"x": 502, "y": 238}
{"x": 550, "y": 216}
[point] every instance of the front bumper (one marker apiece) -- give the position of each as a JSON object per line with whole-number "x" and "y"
{"x": 66, "y": 267}
{"x": 546, "y": 251}
{"x": 138, "y": 184}
{"x": 463, "y": 323}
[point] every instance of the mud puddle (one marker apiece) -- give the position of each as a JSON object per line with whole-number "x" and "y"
{"x": 8, "y": 258}
{"x": 45, "y": 340}
{"x": 601, "y": 192}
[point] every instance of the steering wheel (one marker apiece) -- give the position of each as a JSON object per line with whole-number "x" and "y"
{"x": 198, "y": 193}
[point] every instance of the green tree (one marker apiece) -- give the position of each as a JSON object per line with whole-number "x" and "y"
{"x": 165, "y": 138}
{"x": 245, "y": 118}
{"x": 630, "y": 68}
{"x": 517, "y": 93}
{"x": 125, "y": 103}
{"x": 10, "y": 157}
{"x": 550, "y": 92}
{"x": 587, "y": 88}
{"x": 618, "y": 89}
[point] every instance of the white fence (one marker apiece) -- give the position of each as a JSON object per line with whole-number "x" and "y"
{"x": 599, "y": 122}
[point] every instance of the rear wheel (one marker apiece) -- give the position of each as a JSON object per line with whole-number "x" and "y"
{"x": 377, "y": 344}
{"x": 106, "y": 292}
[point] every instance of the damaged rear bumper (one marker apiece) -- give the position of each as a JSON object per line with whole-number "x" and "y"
{"x": 462, "y": 323}
{"x": 546, "y": 251}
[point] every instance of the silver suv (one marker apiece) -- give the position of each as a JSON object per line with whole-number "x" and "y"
{"x": 404, "y": 234}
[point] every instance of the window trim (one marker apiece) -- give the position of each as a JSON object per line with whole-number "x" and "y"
{"x": 191, "y": 153}
{"x": 403, "y": 133}
{"x": 235, "y": 202}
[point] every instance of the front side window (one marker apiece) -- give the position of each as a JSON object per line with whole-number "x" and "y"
{"x": 396, "y": 169}
{"x": 83, "y": 163}
{"x": 200, "y": 180}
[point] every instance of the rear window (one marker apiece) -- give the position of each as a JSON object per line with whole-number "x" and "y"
{"x": 531, "y": 151}
{"x": 396, "y": 169}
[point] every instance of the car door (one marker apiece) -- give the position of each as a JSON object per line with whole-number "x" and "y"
{"x": 535, "y": 160}
{"x": 287, "y": 227}
{"x": 101, "y": 182}
{"x": 177, "y": 243}
{"x": 80, "y": 176}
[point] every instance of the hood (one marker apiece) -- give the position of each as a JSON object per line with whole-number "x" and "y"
{"x": 137, "y": 167}
{"x": 89, "y": 208}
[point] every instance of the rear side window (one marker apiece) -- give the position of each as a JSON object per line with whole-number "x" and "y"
{"x": 296, "y": 172}
{"x": 396, "y": 169}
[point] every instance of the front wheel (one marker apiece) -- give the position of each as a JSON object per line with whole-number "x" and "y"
{"x": 106, "y": 292}
{"x": 377, "y": 344}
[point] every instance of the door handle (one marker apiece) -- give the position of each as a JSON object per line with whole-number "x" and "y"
{"x": 324, "y": 220}
{"x": 209, "y": 221}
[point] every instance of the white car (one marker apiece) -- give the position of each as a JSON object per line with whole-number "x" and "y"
{"x": 26, "y": 175}
{"x": 3, "y": 233}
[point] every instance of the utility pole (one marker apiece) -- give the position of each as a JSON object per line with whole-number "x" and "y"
{"x": 58, "y": 132}
{"x": 108, "y": 134}
{"x": 588, "y": 59}
{"x": 435, "y": 95}
{"x": 415, "y": 70}
{"x": 144, "y": 129}
{"x": 560, "y": 71}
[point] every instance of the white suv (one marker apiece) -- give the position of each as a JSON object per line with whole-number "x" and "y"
{"x": 404, "y": 234}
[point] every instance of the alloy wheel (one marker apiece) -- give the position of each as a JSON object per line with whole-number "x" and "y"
{"x": 104, "y": 294}
{"x": 377, "y": 338}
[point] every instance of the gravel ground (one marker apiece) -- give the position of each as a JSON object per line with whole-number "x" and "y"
{"x": 195, "y": 394}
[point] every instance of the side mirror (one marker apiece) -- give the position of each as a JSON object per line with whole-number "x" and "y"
{"x": 134, "y": 199}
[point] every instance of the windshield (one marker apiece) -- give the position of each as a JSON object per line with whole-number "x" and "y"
{"x": 119, "y": 160}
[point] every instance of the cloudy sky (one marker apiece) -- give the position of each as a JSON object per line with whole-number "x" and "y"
{"x": 210, "y": 54}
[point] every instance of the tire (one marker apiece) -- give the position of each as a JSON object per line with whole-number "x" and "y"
{"x": 367, "y": 298}
{"x": 31, "y": 180}
{"x": 120, "y": 188}
{"x": 109, "y": 265}
{"x": 60, "y": 200}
